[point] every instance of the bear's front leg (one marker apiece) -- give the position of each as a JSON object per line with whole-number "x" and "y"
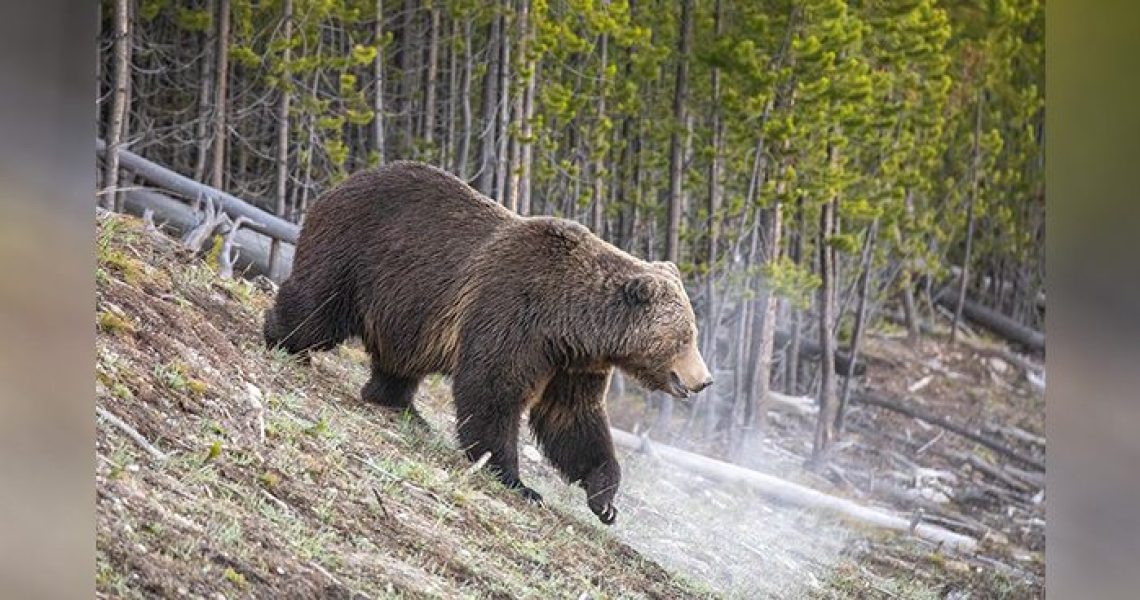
{"x": 570, "y": 424}
{"x": 488, "y": 410}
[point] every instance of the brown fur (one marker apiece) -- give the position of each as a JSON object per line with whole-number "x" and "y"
{"x": 523, "y": 314}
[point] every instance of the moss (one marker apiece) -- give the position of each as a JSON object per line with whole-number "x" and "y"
{"x": 196, "y": 387}
{"x": 114, "y": 324}
{"x": 269, "y": 479}
{"x": 237, "y": 579}
{"x": 214, "y": 451}
{"x": 122, "y": 392}
{"x": 129, "y": 269}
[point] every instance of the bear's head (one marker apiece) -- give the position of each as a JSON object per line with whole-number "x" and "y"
{"x": 661, "y": 349}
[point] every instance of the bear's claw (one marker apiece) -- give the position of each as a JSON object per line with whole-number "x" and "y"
{"x": 607, "y": 515}
{"x": 530, "y": 495}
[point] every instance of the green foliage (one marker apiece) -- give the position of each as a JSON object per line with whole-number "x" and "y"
{"x": 871, "y": 104}
{"x": 788, "y": 280}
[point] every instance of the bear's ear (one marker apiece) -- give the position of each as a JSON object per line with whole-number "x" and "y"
{"x": 669, "y": 267}
{"x": 639, "y": 289}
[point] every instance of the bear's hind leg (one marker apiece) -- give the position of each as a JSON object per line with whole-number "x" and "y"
{"x": 570, "y": 424}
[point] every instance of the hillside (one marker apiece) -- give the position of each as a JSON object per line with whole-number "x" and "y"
{"x": 275, "y": 481}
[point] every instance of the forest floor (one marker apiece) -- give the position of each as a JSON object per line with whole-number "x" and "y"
{"x": 276, "y": 481}
{"x": 907, "y": 465}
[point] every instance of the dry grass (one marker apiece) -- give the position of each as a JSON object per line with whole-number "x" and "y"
{"x": 339, "y": 499}
{"x": 280, "y": 482}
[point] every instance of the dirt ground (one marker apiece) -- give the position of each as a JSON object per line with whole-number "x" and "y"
{"x": 276, "y": 481}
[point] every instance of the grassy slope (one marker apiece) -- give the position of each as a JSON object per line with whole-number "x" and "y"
{"x": 338, "y": 499}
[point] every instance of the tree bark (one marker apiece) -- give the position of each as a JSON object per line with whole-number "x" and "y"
{"x": 598, "y": 218}
{"x": 378, "y": 79}
{"x": 518, "y": 141}
{"x": 486, "y": 178}
{"x": 792, "y": 360}
{"x": 762, "y": 374}
{"x": 449, "y": 141}
{"x": 676, "y": 149}
{"x": 407, "y": 81}
{"x": 283, "y": 129}
{"x": 526, "y": 142}
{"x": 202, "y": 129}
{"x": 119, "y": 100}
{"x": 860, "y": 317}
{"x": 465, "y": 87}
{"x": 429, "y": 83}
{"x": 825, "y": 426}
{"x": 218, "y": 169}
{"x": 503, "y": 123}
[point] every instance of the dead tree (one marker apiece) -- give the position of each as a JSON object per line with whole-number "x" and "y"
{"x": 229, "y": 254}
{"x": 212, "y": 218}
{"x": 119, "y": 100}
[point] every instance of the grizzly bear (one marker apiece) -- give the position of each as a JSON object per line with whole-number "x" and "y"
{"x": 525, "y": 314}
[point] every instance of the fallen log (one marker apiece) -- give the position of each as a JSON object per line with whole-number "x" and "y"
{"x": 793, "y": 493}
{"x": 916, "y": 413}
{"x": 996, "y": 322}
{"x": 810, "y": 350}
{"x": 267, "y": 224}
{"x": 179, "y": 218}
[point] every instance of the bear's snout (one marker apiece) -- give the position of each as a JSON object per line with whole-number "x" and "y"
{"x": 689, "y": 374}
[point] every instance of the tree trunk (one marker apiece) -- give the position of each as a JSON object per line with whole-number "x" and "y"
{"x": 503, "y": 103}
{"x": 998, "y": 323}
{"x": 486, "y": 179}
{"x": 526, "y": 142}
{"x": 792, "y": 493}
{"x": 407, "y": 81}
{"x": 792, "y": 372}
{"x": 712, "y": 222}
{"x": 205, "y": 87}
{"x": 860, "y": 318}
{"x": 514, "y": 175}
{"x": 185, "y": 187}
{"x": 218, "y": 170}
{"x": 119, "y": 100}
{"x": 965, "y": 277}
{"x": 429, "y": 83}
{"x": 448, "y": 156}
{"x": 597, "y": 221}
{"x": 378, "y": 79}
{"x": 676, "y": 149}
{"x": 825, "y": 426}
{"x": 910, "y": 313}
{"x": 283, "y": 130}
{"x": 762, "y": 373}
{"x": 465, "y": 87}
